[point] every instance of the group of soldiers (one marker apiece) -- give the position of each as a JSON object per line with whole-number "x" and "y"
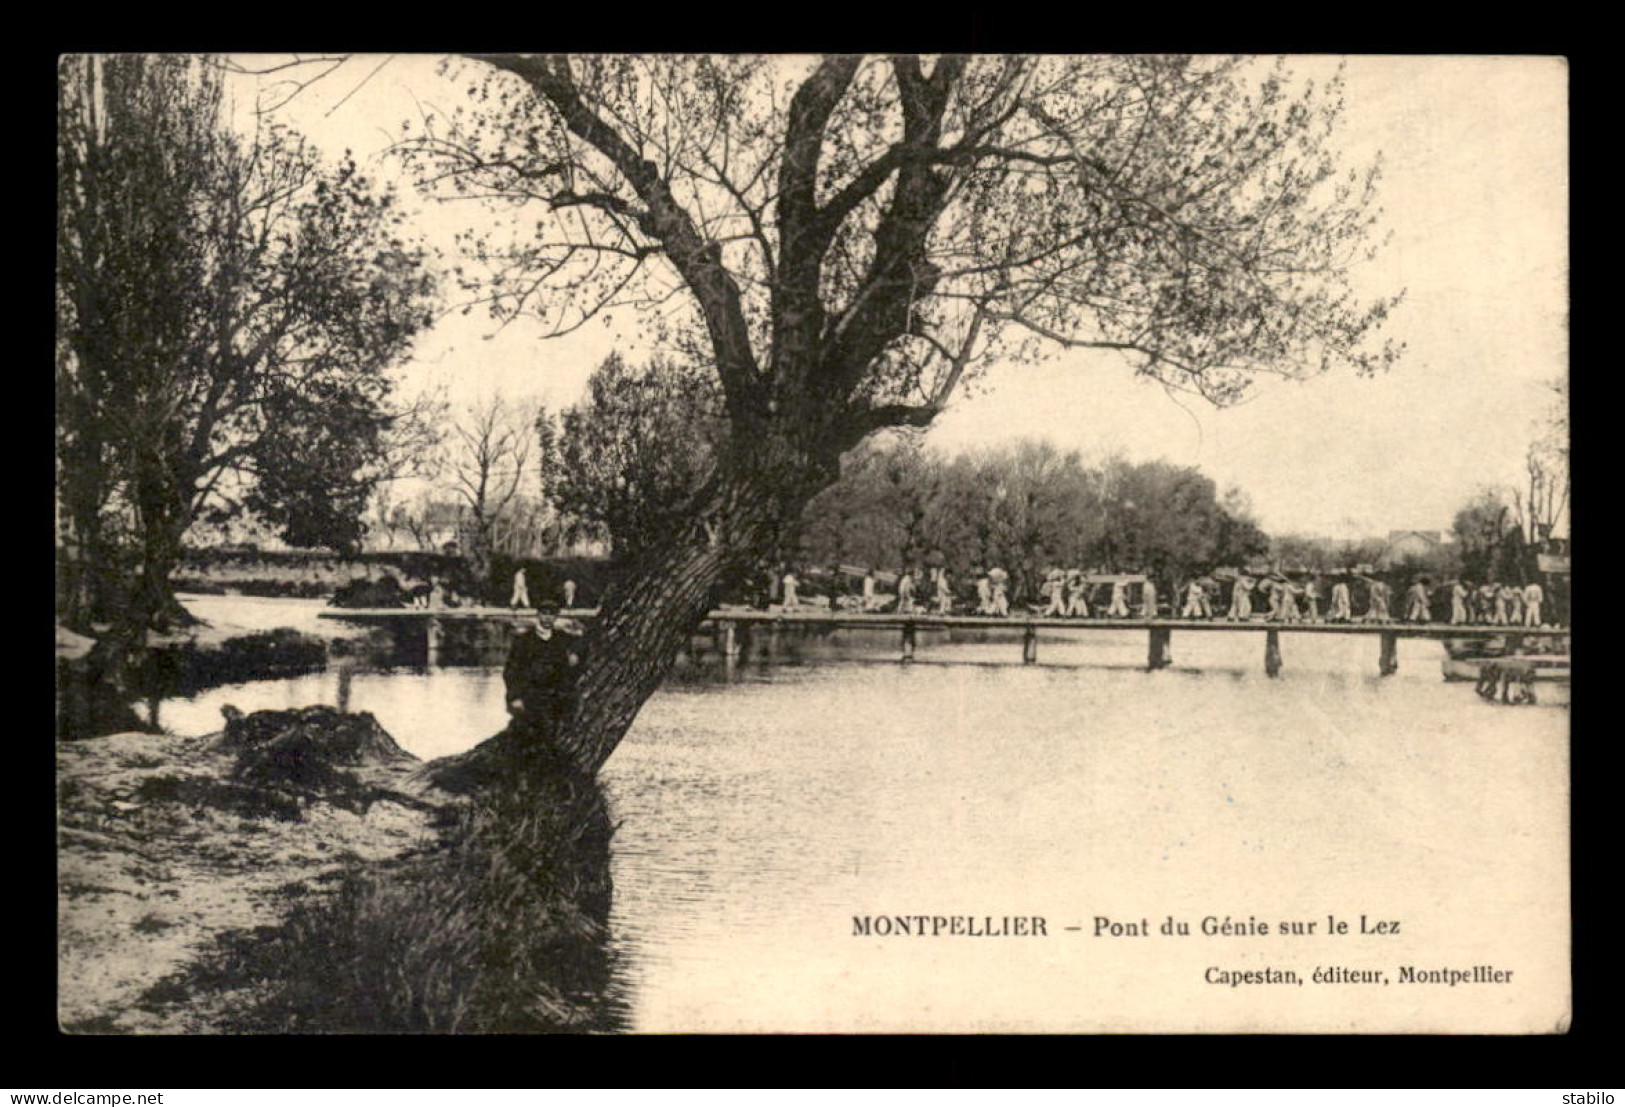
{"x": 935, "y": 594}
{"x": 1071, "y": 593}
{"x": 1497, "y": 605}
{"x": 1283, "y": 600}
{"x": 521, "y": 592}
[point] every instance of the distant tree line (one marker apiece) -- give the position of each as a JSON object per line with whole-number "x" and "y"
{"x": 1026, "y": 508}
{"x": 625, "y": 462}
{"x": 518, "y": 484}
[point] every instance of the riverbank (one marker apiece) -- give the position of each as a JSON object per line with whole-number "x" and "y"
{"x": 235, "y": 639}
{"x": 299, "y": 872}
{"x": 165, "y": 848}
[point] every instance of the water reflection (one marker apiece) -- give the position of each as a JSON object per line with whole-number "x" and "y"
{"x": 761, "y": 804}
{"x": 429, "y": 711}
{"x": 756, "y": 825}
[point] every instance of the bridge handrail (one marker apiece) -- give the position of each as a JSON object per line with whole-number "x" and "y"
{"x": 892, "y": 620}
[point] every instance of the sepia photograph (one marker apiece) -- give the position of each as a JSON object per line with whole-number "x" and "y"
{"x": 778, "y": 544}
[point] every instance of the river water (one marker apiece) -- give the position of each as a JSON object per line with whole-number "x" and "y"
{"x": 766, "y": 809}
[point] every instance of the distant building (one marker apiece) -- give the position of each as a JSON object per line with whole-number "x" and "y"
{"x": 1409, "y": 545}
{"x": 428, "y": 526}
{"x": 448, "y": 527}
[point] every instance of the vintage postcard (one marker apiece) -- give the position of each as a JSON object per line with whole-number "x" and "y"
{"x": 780, "y": 544}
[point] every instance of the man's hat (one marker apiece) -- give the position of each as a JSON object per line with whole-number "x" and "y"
{"x": 547, "y": 607}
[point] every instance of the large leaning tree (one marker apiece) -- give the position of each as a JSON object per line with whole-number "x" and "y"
{"x": 847, "y": 239}
{"x": 228, "y": 309}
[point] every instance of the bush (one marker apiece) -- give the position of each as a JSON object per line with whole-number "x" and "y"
{"x": 384, "y": 592}
{"x": 501, "y": 930}
{"x": 186, "y": 669}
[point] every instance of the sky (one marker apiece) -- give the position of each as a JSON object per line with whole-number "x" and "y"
{"x": 1474, "y": 195}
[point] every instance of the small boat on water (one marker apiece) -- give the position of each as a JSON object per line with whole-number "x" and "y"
{"x": 1548, "y": 655}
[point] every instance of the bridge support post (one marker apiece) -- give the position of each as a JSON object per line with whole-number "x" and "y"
{"x": 1388, "y": 662}
{"x": 435, "y": 635}
{"x": 731, "y": 640}
{"x": 346, "y": 672}
{"x": 1029, "y": 645}
{"x": 1157, "y": 657}
{"x": 908, "y": 642}
{"x": 1272, "y": 652}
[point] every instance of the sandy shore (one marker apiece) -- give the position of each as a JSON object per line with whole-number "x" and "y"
{"x": 161, "y": 856}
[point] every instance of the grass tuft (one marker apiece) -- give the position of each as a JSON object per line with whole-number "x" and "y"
{"x": 502, "y": 929}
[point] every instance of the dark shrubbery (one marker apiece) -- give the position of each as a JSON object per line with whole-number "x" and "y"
{"x": 500, "y": 930}
{"x": 386, "y": 591}
{"x": 275, "y": 653}
{"x": 307, "y": 750}
{"x": 274, "y": 589}
{"x": 545, "y": 577}
{"x": 183, "y": 670}
{"x": 199, "y": 587}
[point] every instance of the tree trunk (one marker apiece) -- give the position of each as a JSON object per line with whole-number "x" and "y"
{"x": 647, "y": 617}
{"x": 77, "y": 576}
{"x": 154, "y": 604}
{"x": 151, "y": 602}
{"x": 650, "y": 614}
{"x": 635, "y": 643}
{"x": 86, "y": 558}
{"x": 478, "y": 560}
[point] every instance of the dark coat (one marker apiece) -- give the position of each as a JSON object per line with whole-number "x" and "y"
{"x": 539, "y": 673}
